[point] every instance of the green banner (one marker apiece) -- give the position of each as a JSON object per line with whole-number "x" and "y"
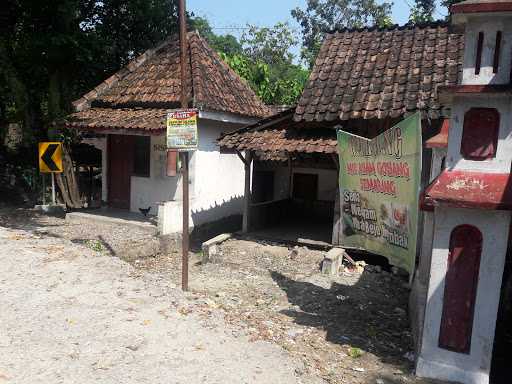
{"x": 379, "y": 191}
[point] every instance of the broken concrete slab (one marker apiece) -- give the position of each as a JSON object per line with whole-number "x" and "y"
{"x": 111, "y": 216}
{"x": 58, "y": 210}
{"x": 210, "y": 248}
{"x": 333, "y": 261}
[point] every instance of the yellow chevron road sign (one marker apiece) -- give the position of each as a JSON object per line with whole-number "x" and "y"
{"x": 50, "y": 157}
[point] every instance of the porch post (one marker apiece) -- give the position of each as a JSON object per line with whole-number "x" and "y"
{"x": 247, "y": 192}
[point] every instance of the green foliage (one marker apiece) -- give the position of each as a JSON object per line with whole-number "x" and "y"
{"x": 52, "y": 52}
{"x": 269, "y": 45}
{"x": 355, "y": 353}
{"x": 94, "y": 245}
{"x": 325, "y": 15}
{"x": 227, "y": 44}
{"x": 423, "y": 11}
{"x": 263, "y": 58}
{"x": 449, "y": 3}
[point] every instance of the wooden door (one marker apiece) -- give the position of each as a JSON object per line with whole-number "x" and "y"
{"x": 120, "y": 158}
{"x": 460, "y": 289}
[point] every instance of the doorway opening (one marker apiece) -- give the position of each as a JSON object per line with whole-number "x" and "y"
{"x": 293, "y": 200}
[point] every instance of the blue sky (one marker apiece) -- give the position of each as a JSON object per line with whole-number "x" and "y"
{"x": 237, "y": 13}
{"x": 228, "y": 16}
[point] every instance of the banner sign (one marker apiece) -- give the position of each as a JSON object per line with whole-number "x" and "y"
{"x": 182, "y": 129}
{"x": 379, "y": 191}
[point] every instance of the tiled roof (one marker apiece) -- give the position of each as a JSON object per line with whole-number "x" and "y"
{"x": 153, "y": 81}
{"x": 465, "y": 189}
{"x": 279, "y": 134}
{"x": 102, "y": 119}
{"x": 376, "y": 73}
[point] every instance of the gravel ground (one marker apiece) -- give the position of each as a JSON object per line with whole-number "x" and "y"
{"x": 349, "y": 329}
{"x": 70, "y": 314}
{"x": 260, "y": 312}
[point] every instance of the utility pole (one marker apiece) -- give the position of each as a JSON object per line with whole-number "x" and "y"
{"x": 184, "y": 154}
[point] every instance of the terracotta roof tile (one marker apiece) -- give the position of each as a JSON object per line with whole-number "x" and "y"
{"x": 153, "y": 81}
{"x": 280, "y": 134}
{"x": 377, "y": 73}
{"x": 101, "y": 119}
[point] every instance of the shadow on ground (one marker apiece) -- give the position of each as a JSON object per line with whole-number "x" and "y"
{"x": 357, "y": 315}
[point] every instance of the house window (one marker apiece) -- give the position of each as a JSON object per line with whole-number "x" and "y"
{"x": 305, "y": 186}
{"x": 480, "y": 134}
{"x": 479, "y": 49}
{"x": 460, "y": 289}
{"x": 497, "y": 51}
{"x": 141, "y": 156}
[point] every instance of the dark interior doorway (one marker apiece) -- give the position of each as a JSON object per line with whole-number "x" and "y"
{"x": 501, "y": 369}
{"x": 263, "y": 186}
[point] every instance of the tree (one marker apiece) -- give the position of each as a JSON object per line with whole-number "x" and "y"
{"x": 449, "y": 3}
{"x": 51, "y": 52}
{"x": 227, "y": 44}
{"x": 263, "y": 58}
{"x": 269, "y": 45}
{"x": 324, "y": 15}
{"x": 423, "y": 11}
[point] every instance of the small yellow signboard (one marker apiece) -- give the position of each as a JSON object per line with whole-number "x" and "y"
{"x": 182, "y": 129}
{"x": 50, "y": 157}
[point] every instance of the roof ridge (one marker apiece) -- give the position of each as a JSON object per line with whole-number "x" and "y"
{"x": 387, "y": 72}
{"x": 218, "y": 60}
{"x": 84, "y": 102}
{"x": 212, "y": 83}
{"x": 393, "y": 27}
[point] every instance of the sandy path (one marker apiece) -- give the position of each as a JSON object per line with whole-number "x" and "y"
{"x": 69, "y": 315}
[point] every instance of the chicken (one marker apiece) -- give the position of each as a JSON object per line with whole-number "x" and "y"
{"x": 145, "y": 211}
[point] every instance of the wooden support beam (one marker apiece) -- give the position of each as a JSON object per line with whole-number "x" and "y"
{"x": 241, "y": 157}
{"x": 247, "y": 192}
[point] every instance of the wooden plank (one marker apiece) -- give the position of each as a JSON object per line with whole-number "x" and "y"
{"x": 337, "y": 227}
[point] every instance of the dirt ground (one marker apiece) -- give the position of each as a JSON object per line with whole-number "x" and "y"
{"x": 70, "y": 314}
{"x": 348, "y": 329}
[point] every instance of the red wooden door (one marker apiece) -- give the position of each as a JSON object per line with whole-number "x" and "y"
{"x": 120, "y": 157}
{"x": 460, "y": 289}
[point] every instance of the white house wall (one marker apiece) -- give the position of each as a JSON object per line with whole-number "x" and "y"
{"x": 489, "y": 26}
{"x": 440, "y": 363}
{"x": 502, "y": 162}
{"x": 216, "y": 183}
{"x": 218, "y": 177}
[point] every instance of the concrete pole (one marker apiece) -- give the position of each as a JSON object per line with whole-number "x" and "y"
{"x": 53, "y": 188}
{"x": 185, "y": 176}
{"x": 247, "y": 192}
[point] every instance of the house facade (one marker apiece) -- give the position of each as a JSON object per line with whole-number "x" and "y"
{"x": 125, "y": 117}
{"x": 364, "y": 81}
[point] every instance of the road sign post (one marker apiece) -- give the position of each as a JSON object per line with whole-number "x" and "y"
{"x": 182, "y": 136}
{"x": 50, "y": 161}
{"x": 53, "y": 188}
